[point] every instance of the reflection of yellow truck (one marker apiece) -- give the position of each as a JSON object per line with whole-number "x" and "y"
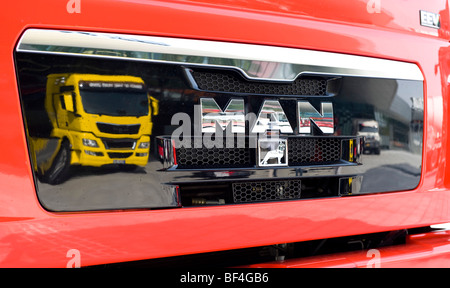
{"x": 96, "y": 120}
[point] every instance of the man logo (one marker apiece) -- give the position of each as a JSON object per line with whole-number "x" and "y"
{"x": 271, "y": 120}
{"x": 210, "y": 122}
{"x": 271, "y": 117}
{"x": 272, "y": 152}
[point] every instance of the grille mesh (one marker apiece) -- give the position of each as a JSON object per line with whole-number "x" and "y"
{"x": 220, "y": 81}
{"x": 118, "y": 144}
{"x": 304, "y": 151}
{"x": 213, "y": 157}
{"x": 301, "y": 151}
{"x": 118, "y": 129}
{"x": 119, "y": 155}
{"x": 246, "y": 192}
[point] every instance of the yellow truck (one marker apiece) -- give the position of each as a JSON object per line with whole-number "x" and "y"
{"x": 96, "y": 120}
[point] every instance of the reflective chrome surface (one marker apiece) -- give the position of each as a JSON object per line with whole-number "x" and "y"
{"x": 213, "y": 115}
{"x": 288, "y": 63}
{"x": 272, "y": 152}
{"x": 308, "y": 116}
{"x": 173, "y": 145}
{"x": 271, "y": 117}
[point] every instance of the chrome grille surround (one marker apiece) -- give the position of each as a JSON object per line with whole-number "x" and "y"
{"x": 168, "y": 176}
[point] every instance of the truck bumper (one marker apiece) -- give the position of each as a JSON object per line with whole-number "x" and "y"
{"x": 99, "y": 156}
{"x": 426, "y": 250}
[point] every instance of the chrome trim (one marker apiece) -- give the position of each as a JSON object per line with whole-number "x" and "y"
{"x": 288, "y": 63}
{"x": 271, "y": 117}
{"x": 274, "y": 149}
{"x": 212, "y": 115}
{"x": 175, "y": 176}
{"x": 430, "y": 19}
{"x": 350, "y": 185}
{"x": 348, "y": 165}
{"x": 307, "y": 114}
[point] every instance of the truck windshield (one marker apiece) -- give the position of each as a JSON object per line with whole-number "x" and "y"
{"x": 368, "y": 129}
{"x": 115, "y": 102}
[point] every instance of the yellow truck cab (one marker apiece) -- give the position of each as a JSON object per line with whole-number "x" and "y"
{"x": 97, "y": 120}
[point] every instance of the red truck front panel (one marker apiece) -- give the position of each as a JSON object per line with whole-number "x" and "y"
{"x": 401, "y": 82}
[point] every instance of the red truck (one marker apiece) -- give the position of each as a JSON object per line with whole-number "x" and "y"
{"x": 253, "y": 159}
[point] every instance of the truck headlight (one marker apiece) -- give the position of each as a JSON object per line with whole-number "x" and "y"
{"x": 144, "y": 145}
{"x": 90, "y": 143}
{"x": 93, "y": 153}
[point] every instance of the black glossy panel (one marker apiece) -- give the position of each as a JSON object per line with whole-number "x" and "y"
{"x": 88, "y": 160}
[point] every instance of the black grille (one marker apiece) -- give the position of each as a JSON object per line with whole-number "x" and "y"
{"x": 118, "y": 129}
{"x": 305, "y": 151}
{"x": 220, "y": 81}
{"x": 246, "y": 192}
{"x": 191, "y": 158}
{"x": 117, "y": 155}
{"x": 119, "y": 143}
{"x": 301, "y": 151}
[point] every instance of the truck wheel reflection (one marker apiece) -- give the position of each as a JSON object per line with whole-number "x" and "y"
{"x": 59, "y": 170}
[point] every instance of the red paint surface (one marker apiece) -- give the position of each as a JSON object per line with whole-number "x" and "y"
{"x": 429, "y": 250}
{"x": 31, "y": 236}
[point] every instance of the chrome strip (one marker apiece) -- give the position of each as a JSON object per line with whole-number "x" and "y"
{"x": 175, "y": 176}
{"x": 255, "y": 61}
